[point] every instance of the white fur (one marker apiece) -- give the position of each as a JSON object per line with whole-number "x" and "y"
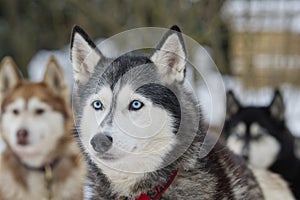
{"x": 43, "y": 130}
{"x": 141, "y": 139}
{"x": 262, "y": 152}
{"x": 240, "y": 129}
{"x": 84, "y": 59}
{"x": 172, "y": 49}
{"x": 233, "y": 142}
{"x": 272, "y": 185}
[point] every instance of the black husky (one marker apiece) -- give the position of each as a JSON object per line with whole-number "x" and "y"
{"x": 260, "y": 135}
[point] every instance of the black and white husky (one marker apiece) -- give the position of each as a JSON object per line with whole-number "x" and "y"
{"x": 140, "y": 129}
{"x": 260, "y": 135}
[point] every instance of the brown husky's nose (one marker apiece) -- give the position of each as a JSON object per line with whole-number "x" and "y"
{"x": 101, "y": 143}
{"x": 22, "y": 137}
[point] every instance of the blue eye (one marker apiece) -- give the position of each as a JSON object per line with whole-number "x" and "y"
{"x": 135, "y": 105}
{"x": 97, "y": 105}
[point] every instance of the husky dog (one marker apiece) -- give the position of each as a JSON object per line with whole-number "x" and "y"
{"x": 41, "y": 159}
{"x": 140, "y": 128}
{"x": 260, "y": 136}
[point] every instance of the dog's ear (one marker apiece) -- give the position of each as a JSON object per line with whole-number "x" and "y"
{"x": 170, "y": 56}
{"x": 232, "y": 104}
{"x": 54, "y": 78}
{"x": 84, "y": 55}
{"x": 276, "y": 106}
{"x": 9, "y": 75}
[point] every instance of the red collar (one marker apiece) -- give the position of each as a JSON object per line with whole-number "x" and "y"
{"x": 158, "y": 191}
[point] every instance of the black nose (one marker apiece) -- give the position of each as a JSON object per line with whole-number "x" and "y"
{"x": 245, "y": 153}
{"x": 101, "y": 143}
{"x": 246, "y": 157}
{"x": 22, "y": 136}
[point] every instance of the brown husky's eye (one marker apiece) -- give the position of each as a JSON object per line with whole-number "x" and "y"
{"x": 39, "y": 111}
{"x": 15, "y": 111}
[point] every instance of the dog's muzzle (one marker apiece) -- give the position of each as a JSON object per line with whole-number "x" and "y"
{"x": 22, "y": 137}
{"x": 101, "y": 143}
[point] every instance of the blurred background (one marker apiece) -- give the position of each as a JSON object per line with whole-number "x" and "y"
{"x": 254, "y": 44}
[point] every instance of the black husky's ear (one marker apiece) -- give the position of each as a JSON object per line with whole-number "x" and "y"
{"x": 9, "y": 75}
{"x": 170, "y": 56}
{"x": 276, "y": 107}
{"x": 55, "y": 80}
{"x": 84, "y": 55}
{"x": 232, "y": 104}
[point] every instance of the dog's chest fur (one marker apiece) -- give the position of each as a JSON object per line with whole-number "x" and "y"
{"x": 30, "y": 184}
{"x": 217, "y": 176}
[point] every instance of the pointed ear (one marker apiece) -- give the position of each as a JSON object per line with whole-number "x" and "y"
{"x": 9, "y": 75}
{"x": 276, "y": 106}
{"x": 232, "y": 104}
{"x": 55, "y": 80}
{"x": 84, "y": 55}
{"x": 170, "y": 56}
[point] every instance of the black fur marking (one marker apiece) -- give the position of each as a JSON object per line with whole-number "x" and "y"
{"x": 175, "y": 28}
{"x": 162, "y": 96}
{"x": 122, "y": 65}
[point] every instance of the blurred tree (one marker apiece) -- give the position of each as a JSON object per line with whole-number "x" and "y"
{"x": 27, "y": 26}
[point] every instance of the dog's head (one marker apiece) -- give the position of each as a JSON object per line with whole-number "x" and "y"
{"x": 255, "y": 132}
{"x": 128, "y": 109}
{"x": 33, "y": 114}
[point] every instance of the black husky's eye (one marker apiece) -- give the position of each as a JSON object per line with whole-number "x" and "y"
{"x": 239, "y": 135}
{"x": 135, "y": 105}
{"x": 97, "y": 105}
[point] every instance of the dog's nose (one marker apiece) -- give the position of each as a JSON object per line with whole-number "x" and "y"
{"x": 246, "y": 157}
{"x": 245, "y": 153}
{"x": 22, "y": 136}
{"x": 101, "y": 143}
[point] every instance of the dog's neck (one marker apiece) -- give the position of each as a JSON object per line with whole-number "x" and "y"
{"x": 157, "y": 191}
{"x": 15, "y": 161}
{"x": 43, "y": 167}
{"x": 20, "y": 170}
{"x": 132, "y": 186}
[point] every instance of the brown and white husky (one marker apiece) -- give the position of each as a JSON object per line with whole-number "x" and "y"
{"x": 41, "y": 159}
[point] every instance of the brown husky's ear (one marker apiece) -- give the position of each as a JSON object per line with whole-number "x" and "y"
{"x": 232, "y": 104}
{"x": 9, "y": 75}
{"x": 170, "y": 56}
{"x": 276, "y": 106}
{"x": 54, "y": 78}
